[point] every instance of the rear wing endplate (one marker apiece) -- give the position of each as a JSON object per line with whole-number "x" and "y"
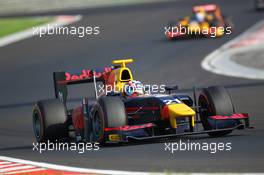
{"x": 62, "y": 79}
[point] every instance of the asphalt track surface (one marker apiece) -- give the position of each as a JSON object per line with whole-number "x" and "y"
{"x": 137, "y": 32}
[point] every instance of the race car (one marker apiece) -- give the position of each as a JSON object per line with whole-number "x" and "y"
{"x": 206, "y": 20}
{"x": 126, "y": 112}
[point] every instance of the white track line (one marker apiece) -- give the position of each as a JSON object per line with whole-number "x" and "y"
{"x": 4, "y": 163}
{"x": 219, "y": 61}
{"x": 73, "y": 169}
{"x": 47, "y": 166}
{"x": 26, "y": 171}
{"x": 9, "y": 165}
{"x": 59, "y": 21}
{"x": 16, "y": 168}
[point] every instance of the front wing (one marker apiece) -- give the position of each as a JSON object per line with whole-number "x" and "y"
{"x": 146, "y": 131}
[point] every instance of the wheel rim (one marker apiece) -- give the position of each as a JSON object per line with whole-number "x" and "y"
{"x": 204, "y": 104}
{"x": 97, "y": 127}
{"x": 36, "y": 124}
{"x": 206, "y": 111}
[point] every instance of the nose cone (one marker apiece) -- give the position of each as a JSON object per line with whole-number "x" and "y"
{"x": 180, "y": 110}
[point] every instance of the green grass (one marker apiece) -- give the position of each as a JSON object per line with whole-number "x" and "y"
{"x": 13, "y": 25}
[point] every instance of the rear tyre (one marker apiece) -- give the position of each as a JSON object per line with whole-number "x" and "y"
{"x": 109, "y": 112}
{"x": 49, "y": 120}
{"x": 215, "y": 100}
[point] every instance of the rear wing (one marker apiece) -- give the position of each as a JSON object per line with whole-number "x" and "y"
{"x": 62, "y": 79}
{"x": 206, "y": 8}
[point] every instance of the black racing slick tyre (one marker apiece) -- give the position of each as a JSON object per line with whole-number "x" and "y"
{"x": 216, "y": 100}
{"x": 49, "y": 120}
{"x": 108, "y": 112}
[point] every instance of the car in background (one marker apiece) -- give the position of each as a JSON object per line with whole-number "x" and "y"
{"x": 206, "y": 20}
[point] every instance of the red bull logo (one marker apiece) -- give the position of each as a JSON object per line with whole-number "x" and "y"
{"x": 87, "y": 73}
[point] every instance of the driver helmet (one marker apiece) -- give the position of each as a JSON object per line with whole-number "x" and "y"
{"x": 133, "y": 88}
{"x": 200, "y": 16}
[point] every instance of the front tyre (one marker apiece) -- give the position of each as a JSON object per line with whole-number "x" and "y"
{"x": 213, "y": 101}
{"x": 108, "y": 112}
